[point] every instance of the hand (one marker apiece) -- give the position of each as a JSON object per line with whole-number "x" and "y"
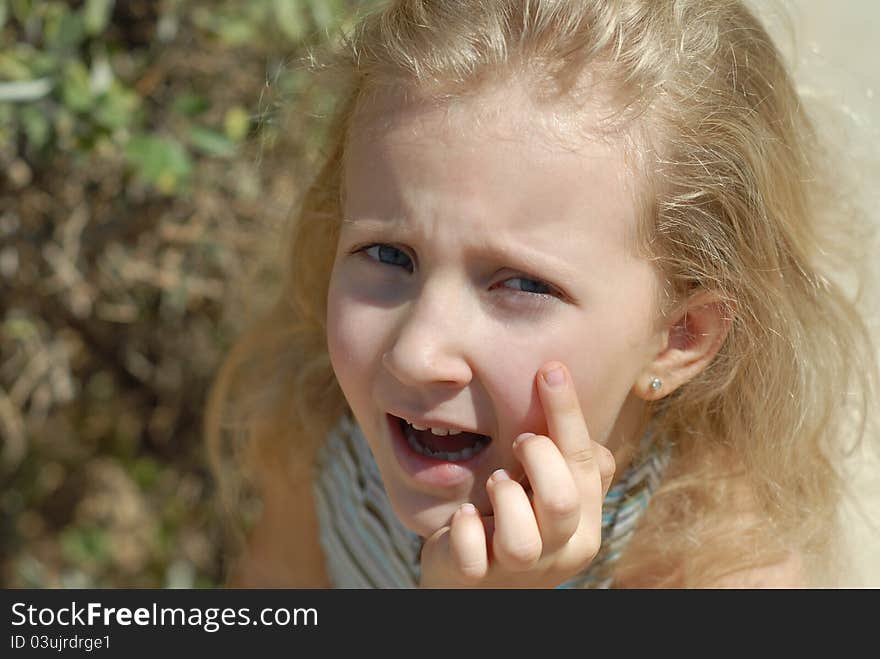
{"x": 538, "y": 539}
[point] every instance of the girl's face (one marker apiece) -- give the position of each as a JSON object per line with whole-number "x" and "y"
{"x": 475, "y": 248}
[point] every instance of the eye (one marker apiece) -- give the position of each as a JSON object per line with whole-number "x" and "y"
{"x": 388, "y": 255}
{"x": 533, "y": 286}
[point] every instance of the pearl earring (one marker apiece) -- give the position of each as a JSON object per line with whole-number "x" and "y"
{"x": 656, "y": 383}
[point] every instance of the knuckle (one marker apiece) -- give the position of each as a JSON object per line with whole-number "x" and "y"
{"x": 560, "y": 507}
{"x": 584, "y": 550}
{"x": 528, "y": 445}
{"x": 506, "y": 487}
{"x": 472, "y": 572}
{"x": 582, "y": 456}
{"x": 607, "y": 464}
{"x": 592, "y": 546}
{"x": 521, "y": 556}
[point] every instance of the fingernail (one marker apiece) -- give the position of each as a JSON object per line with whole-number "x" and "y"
{"x": 554, "y": 378}
{"x": 468, "y": 508}
{"x": 521, "y": 438}
{"x": 500, "y": 475}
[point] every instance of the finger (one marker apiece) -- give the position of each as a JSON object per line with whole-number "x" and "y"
{"x": 434, "y": 559}
{"x": 565, "y": 421}
{"x": 467, "y": 544}
{"x": 516, "y": 543}
{"x": 555, "y": 495}
{"x": 607, "y": 467}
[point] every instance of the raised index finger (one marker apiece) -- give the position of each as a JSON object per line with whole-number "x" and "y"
{"x": 565, "y": 420}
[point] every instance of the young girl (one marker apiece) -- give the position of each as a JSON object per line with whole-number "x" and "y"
{"x": 560, "y": 311}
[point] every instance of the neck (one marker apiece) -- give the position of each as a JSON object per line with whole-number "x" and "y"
{"x": 623, "y": 440}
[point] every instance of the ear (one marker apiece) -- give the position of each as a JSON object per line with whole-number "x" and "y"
{"x": 690, "y": 342}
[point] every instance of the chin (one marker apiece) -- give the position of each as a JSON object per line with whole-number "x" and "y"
{"x": 427, "y": 520}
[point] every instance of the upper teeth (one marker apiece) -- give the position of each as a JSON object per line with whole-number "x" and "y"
{"x": 436, "y": 431}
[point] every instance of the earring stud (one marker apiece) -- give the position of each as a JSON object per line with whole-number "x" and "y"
{"x": 656, "y": 383}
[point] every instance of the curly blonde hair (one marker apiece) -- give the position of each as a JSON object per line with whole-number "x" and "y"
{"x": 738, "y": 199}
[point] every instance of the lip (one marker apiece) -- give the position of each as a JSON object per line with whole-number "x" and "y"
{"x": 430, "y": 472}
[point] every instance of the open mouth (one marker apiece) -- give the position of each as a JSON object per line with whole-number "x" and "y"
{"x": 450, "y": 448}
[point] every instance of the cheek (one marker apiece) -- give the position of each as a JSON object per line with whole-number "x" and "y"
{"x": 600, "y": 362}
{"x": 510, "y": 365}
{"x": 514, "y": 393}
{"x": 353, "y": 338}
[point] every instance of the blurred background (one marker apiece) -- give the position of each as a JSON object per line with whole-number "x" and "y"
{"x": 150, "y": 152}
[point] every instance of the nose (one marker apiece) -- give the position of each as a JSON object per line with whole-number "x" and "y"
{"x": 431, "y": 343}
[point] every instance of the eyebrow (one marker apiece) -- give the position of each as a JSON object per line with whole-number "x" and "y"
{"x": 374, "y": 221}
{"x": 521, "y": 258}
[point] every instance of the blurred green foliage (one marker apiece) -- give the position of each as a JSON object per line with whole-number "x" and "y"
{"x": 150, "y": 151}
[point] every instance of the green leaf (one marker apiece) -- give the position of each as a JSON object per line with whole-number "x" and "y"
{"x": 4, "y": 12}
{"x": 291, "y": 19}
{"x": 211, "y": 143}
{"x": 64, "y": 29}
{"x": 96, "y": 15}
{"x": 84, "y": 545}
{"x": 234, "y": 31}
{"x": 76, "y": 90}
{"x": 13, "y": 68}
{"x": 236, "y": 123}
{"x": 145, "y": 472}
{"x": 22, "y": 10}
{"x": 24, "y": 62}
{"x": 161, "y": 161}
{"x": 190, "y": 104}
{"x": 43, "y": 63}
{"x": 324, "y": 13}
{"x": 117, "y": 107}
{"x": 7, "y": 134}
{"x": 36, "y": 125}
{"x": 6, "y": 114}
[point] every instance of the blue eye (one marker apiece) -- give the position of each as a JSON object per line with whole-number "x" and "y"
{"x": 389, "y": 256}
{"x": 534, "y": 286}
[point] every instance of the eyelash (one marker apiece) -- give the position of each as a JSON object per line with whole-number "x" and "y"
{"x": 553, "y": 292}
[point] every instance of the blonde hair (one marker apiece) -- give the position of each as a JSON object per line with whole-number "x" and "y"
{"x": 737, "y": 200}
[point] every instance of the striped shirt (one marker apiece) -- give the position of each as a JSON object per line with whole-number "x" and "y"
{"x": 366, "y": 546}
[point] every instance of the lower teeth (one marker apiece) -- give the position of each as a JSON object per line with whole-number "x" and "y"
{"x": 451, "y": 456}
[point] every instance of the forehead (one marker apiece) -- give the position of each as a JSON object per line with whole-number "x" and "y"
{"x": 495, "y": 161}
{"x": 498, "y": 109}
